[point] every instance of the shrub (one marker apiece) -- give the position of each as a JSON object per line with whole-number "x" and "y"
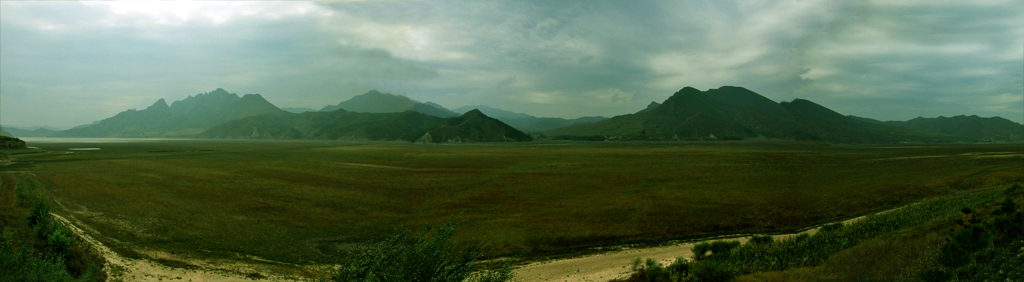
{"x": 638, "y": 264}
{"x": 679, "y": 269}
{"x": 60, "y": 240}
{"x": 831, "y": 227}
{"x": 713, "y": 271}
{"x": 430, "y": 257}
{"x": 1006, "y": 207}
{"x": 802, "y": 237}
{"x": 1016, "y": 187}
{"x": 761, "y": 239}
{"x": 22, "y": 265}
{"x": 653, "y": 271}
{"x": 700, "y": 250}
{"x": 721, "y": 249}
{"x": 40, "y": 211}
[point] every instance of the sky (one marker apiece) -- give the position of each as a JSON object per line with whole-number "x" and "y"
{"x": 64, "y": 64}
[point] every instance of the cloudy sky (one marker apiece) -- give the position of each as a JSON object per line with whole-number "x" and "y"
{"x": 64, "y": 64}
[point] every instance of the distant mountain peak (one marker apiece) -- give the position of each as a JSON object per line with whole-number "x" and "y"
{"x": 374, "y": 101}
{"x": 253, "y": 96}
{"x": 159, "y": 104}
{"x": 688, "y": 89}
{"x": 182, "y": 118}
{"x": 653, "y": 105}
{"x": 474, "y": 113}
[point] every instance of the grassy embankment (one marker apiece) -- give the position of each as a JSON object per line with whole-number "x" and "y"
{"x": 900, "y": 245}
{"x": 33, "y": 245}
{"x": 308, "y": 202}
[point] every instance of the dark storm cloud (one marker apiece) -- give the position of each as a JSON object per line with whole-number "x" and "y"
{"x": 883, "y": 59}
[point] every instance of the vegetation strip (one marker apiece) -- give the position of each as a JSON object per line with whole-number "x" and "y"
{"x": 722, "y": 260}
{"x": 815, "y": 249}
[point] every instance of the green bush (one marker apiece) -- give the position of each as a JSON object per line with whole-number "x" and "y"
{"x": 700, "y": 250}
{"x": 831, "y": 227}
{"x": 430, "y": 257}
{"x": 721, "y": 249}
{"x": 802, "y": 237}
{"x": 761, "y": 239}
{"x": 679, "y": 270}
{"x": 653, "y": 271}
{"x": 713, "y": 271}
{"x": 22, "y": 265}
{"x": 60, "y": 240}
{"x": 1014, "y": 188}
{"x": 40, "y": 211}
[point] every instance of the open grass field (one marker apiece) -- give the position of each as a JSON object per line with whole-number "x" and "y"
{"x": 308, "y": 202}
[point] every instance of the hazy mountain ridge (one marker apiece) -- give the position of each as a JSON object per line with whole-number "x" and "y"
{"x": 376, "y": 102}
{"x": 473, "y": 126}
{"x": 528, "y": 123}
{"x": 991, "y": 129}
{"x": 298, "y": 110}
{"x": 689, "y": 114}
{"x": 737, "y": 113}
{"x": 345, "y": 125}
{"x": 21, "y": 132}
{"x": 183, "y": 118}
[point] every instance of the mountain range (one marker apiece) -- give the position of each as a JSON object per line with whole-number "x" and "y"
{"x": 737, "y": 113}
{"x": 528, "y": 123}
{"x": 377, "y": 102}
{"x": 725, "y": 113}
{"x": 992, "y": 129}
{"x": 20, "y": 132}
{"x": 184, "y": 118}
{"x": 340, "y": 124}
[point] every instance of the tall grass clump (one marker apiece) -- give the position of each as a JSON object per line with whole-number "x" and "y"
{"x": 430, "y": 257}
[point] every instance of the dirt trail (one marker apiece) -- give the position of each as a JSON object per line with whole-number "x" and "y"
{"x": 612, "y": 265}
{"x": 120, "y": 268}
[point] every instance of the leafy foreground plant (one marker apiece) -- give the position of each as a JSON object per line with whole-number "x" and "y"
{"x": 430, "y": 257}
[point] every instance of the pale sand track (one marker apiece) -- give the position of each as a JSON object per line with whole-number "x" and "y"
{"x": 616, "y": 264}
{"x": 120, "y": 268}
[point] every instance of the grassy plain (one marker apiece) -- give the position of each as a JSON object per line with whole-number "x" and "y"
{"x": 308, "y": 202}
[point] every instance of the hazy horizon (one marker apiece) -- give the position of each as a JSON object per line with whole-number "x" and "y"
{"x": 64, "y": 64}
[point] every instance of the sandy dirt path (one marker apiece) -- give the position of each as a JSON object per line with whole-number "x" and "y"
{"x": 120, "y": 268}
{"x": 614, "y": 265}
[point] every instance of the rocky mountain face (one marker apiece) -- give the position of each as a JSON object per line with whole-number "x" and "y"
{"x": 183, "y": 118}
